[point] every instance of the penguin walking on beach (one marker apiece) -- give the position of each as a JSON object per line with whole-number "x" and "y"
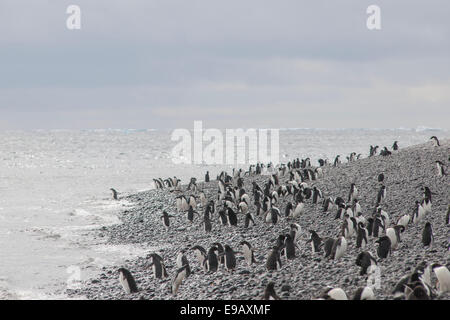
{"x": 157, "y": 264}
{"x": 207, "y": 225}
{"x": 230, "y": 258}
{"x": 114, "y": 193}
{"x": 339, "y": 248}
{"x": 328, "y": 204}
{"x": 362, "y": 236}
{"x": 353, "y": 194}
{"x": 127, "y": 281}
{"x": 273, "y": 260}
{"x": 381, "y": 195}
{"x": 211, "y": 263}
{"x": 190, "y": 214}
{"x": 207, "y": 176}
{"x": 271, "y": 216}
{"x": 404, "y": 220}
{"x": 248, "y": 253}
{"x": 180, "y": 275}
{"x": 182, "y": 261}
{"x": 316, "y": 241}
{"x": 248, "y": 219}
{"x": 328, "y": 246}
{"x": 384, "y": 247}
{"x": 394, "y": 235}
{"x": 395, "y": 146}
{"x": 220, "y": 252}
{"x": 289, "y": 247}
{"x": 365, "y": 260}
{"x": 295, "y": 230}
{"x": 427, "y": 235}
{"x": 289, "y": 210}
{"x": 440, "y": 168}
{"x": 269, "y": 292}
{"x": 316, "y": 195}
{"x": 435, "y": 141}
{"x": 165, "y": 219}
{"x": 200, "y": 253}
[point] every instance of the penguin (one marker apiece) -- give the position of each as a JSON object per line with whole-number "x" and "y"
{"x": 362, "y": 236}
{"x": 248, "y": 219}
{"x": 223, "y": 217}
{"x": 316, "y": 242}
{"x": 114, "y": 193}
{"x": 220, "y": 252}
{"x": 182, "y": 261}
{"x": 230, "y": 259}
{"x": 333, "y": 294}
{"x": 385, "y": 216}
{"x": 339, "y": 248}
{"x": 384, "y": 247}
{"x": 328, "y": 246}
{"x": 365, "y": 260}
{"x": 435, "y": 141}
{"x": 180, "y": 275}
{"x": 299, "y": 209}
{"x": 207, "y": 225}
{"x": 316, "y": 195}
{"x": 289, "y": 210}
{"x": 296, "y": 229}
{"x": 190, "y": 214}
{"x": 159, "y": 269}
{"x": 364, "y": 293}
{"x": 404, "y": 220}
{"x": 165, "y": 219}
{"x": 200, "y": 253}
{"x": 328, "y": 204}
{"x": 381, "y": 177}
{"x": 443, "y": 278}
{"x": 243, "y": 207}
{"x": 272, "y": 215}
{"x": 336, "y": 161}
{"x": 427, "y": 235}
{"x": 127, "y": 281}
{"x": 207, "y": 176}
{"x": 248, "y": 253}
{"x": 381, "y": 195}
{"x": 289, "y": 247}
{"x": 356, "y": 208}
{"x": 416, "y": 291}
{"x": 211, "y": 263}
{"x": 353, "y": 194}
{"x": 440, "y": 167}
{"x": 273, "y": 260}
{"x": 394, "y": 235}
{"x": 269, "y": 292}
{"x": 395, "y": 146}
{"x": 378, "y": 225}
{"x": 232, "y": 217}
{"x": 419, "y": 213}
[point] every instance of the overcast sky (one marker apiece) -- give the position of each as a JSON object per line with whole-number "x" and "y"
{"x": 246, "y": 63}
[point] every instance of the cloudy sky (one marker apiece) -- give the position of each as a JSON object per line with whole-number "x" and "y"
{"x": 247, "y": 63}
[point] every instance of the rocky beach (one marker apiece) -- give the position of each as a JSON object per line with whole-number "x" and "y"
{"x": 305, "y": 277}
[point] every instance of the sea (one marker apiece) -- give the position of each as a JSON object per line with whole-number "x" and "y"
{"x": 55, "y": 189}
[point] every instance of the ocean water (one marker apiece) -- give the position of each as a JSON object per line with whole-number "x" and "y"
{"x": 54, "y": 189}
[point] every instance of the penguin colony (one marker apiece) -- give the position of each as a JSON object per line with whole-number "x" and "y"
{"x": 298, "y": 231}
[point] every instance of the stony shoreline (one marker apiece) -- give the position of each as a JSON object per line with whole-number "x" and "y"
{"x": 304, "y": 277}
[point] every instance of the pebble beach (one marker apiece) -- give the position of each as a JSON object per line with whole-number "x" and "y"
{"x": 305, "y": 277}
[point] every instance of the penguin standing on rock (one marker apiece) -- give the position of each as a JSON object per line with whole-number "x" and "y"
{"x": 273, "y": 260}
{"x": 440, "y": 167}
{"x": 296, "y": 229}
{"x": 395, "y": 146}
{"x": 328, "y": 246}
{"x": 248, "y": 219}
{"x": 316, "y": 241}
{"x": 230, "y": 258}
{"x": 182, "y": 261}
{"x": 447, "y": 217}
{"x": 443, "y": 277}
{"x": 381, "y": 195}
{"x": 165, "y": 219}
{"x": 289, "y": 247}
{"x": 339, "y": 248}
{"x": 127, "y": 281}
{"x": 200, "y": 253}
{"x": 247, "y": 250}
{"x": 427, "y": 235}
{"x": 211, "y": 263}
{"x": 180, "y": 275}
{"x": 363, "y": 235}
{"x": 384, "y": 247}
{"x": 365, "y": 260}
{"x": 159, "y": 269}
{"x": 435, "y": 141}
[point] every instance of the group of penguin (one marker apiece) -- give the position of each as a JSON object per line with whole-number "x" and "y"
{"x": 233, "y": 201}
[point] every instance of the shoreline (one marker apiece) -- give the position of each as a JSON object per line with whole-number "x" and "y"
{"x": 303, "y": 277}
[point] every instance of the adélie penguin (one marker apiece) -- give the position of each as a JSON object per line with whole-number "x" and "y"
{"x": 230, "y": 258}
{"x": 427, "y": 235}
{"x": 159, "y": 269}
{"x": 364, "y": 293}
{"x": 180, "y": 275}
{"x": 200, "y": 253}
{"x": 269, "y": 292}
{"x": 248, "y": 253}
{"x": 316, "y": 241}
{"x": 339, "y": 248}
{"x": 127, "y": 281}
{"x": 165, "y": 219}
{"x": 365, "y": 260}
{"x": 114, "y": 193}
{"x": 183, "y": 261}
{"x": 384, "y": 247}
{"x": 443, "y": 278}
{"x": 211, "y": 262}
{"x": 273, "y": 260}
{"x": 333, "y": 294}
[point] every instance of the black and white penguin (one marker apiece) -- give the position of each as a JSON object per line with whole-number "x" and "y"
{"x": 223, "y": 217}
{"x": 384, "y": 247}
{"x": 365, "y": 260}
{"x": 377, "y": 225}
{"x": 190, "y": 214}
{"x": 271, "y": 216}
{"x": 381, "y": 177}
{"x": 289, "y": 247}
{"x": 114, "y": 193}
{"x": 248, "y": 219}
{"x": 362, "y": 236}
{"x": 339, "y": 248}
{"x": 273, "y": 259}
{"x": 427, "y": 235}
{"x": 289, "y": 210}
{"x": 182, "y": 261}
{"x": 127, "y": 281}
{"x": 269, "y": 292}
{"x": 159, "y": 184}
{"x": 404, "y": 220}
{"x": 316, "y": 195}
{"x": 435, "y": 141}
{"x": 364, "y": 293}
{"x": 299, "y": 210}
{"x": 419, "y": 213}
{"x": 440, "y": 168}
{"x": 381, "y": 195}
{"x": 157, "y": 264}
{"x": 211, "y": 262}
{"x": 232, "y": 217}
{"x": 336, "y": 160}
{"x": 295, "y": 231}
{"x": 248, "y": 253}
{"x": 395, "y": 146}
{"x": 443, "y": 278}
{"x": 328, "y": 204}
{"x": 220, "y": 252}
{"x": 316, "y": 242}
{"x": 328, "y": 246}
{"x": 180, "y": 275}
{"x": 230, "y": 258}
{"x": 200, "y": 253}
{"x": 207, "y": 176}
{"x": 165, "y": 219}
{"x": 416, "y": 291}
{"x": 353, "y": 194}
